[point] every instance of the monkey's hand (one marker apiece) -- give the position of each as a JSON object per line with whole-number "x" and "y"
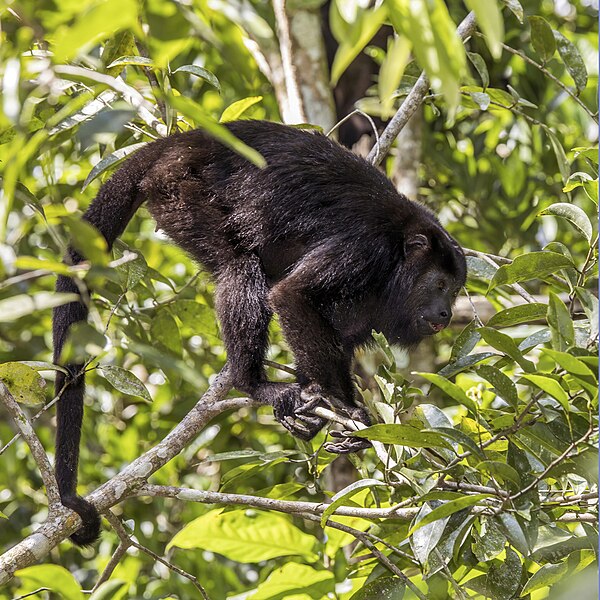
{"x": 292, "y": 407}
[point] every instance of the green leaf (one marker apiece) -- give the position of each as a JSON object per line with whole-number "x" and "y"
{"x": 547, "y": 576}
{"x": 20, "y": 305}
{"x": 435, "y": 43}
{"x": 165, "y": 331}
{"x": 87, "y": 240}
{"x": 138, "y": 61}
{"x": 454, "y": 367}
{"x": 196, "y": 318}
{"x": 481, "y": 68}
{"x": 561, "y": 324}
{"x": 193, "y": 111}
{"x": 523, "y": 313}
{"x": 100, "y": 22}
{"x": 514, "y": 532}
{"x": 294, "y": 580}
{"x": 465, "y": 341}
{"x": 574, "y": 215}
{"x": 391, "y": 72}
{"x": 404, "y": 435}
{"x": 551, "y": 387}
{"x": 383, "y": 588}
{"x": 447, "y": 509}
{"x": 506, "y": 345}
{"x": 572, "y": 59}
{"x": 131, "y": 272}
{"x": 24, "y": 383}
{"x": 348, "y": 492}
{"x": 562, "y": 161}
{"x": 491, "y": 23}
{"x": 542, "y": 38}
{"x": 124, "y": 381}
{"x": 56, "y": 578}
{"x": 237, "y": 109}
{"x": 111, "y": 160}
{"x": 503, "y": 385}
{"x": 246, "y": 536}
{"x": 30, "y": 263}
{"x": 504, "y": 579}
{"x": 543, "y": 336}
{"x": 569, "y": 363}
{"x": 501, "y": 470}
{"x": 364, "y": 28}
{"x": 455, "y": 435}
{"x": 515, "y": 8}
{"x": 115, "y": 589}
{"x": 455, "y": 392}
{"x": 533, "y": 265}
{"x": 491, "y": 542}
{"x": 200, "y": 72}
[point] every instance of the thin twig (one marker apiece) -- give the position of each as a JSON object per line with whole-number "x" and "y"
{"x": 285, "y": 506}
{"x": 37, "y": 450}
{"x": 381, "y": 557}
{"x": 554, "y": 463}
{"x": 113, "y": 563}
{"x": 548, "y": 74}
{"x": 125, "y": 538}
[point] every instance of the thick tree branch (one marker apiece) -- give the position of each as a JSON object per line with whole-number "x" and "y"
{"x": 63, "y": 522}
{"x": 412, "y": 102}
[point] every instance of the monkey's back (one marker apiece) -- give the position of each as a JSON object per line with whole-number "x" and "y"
{"x": 214, "y": 203}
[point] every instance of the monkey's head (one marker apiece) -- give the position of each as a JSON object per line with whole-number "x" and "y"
{"x": 432, "y": 272}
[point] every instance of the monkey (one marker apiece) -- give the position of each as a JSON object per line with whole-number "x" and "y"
{"x": 318, "y": 236}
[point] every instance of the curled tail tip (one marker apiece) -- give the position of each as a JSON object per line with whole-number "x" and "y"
{"x": 89, "y": 531}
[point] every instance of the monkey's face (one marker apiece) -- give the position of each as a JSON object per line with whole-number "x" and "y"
{"x": 433, "y": 296}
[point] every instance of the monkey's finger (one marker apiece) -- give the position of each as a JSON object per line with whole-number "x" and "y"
{"x": 346, "y": 447}
{"x": 340, "y": 434}
{"x": 309, "y": 404}
{"x": 296, "y": 428}
{"x": 314, "y": 422}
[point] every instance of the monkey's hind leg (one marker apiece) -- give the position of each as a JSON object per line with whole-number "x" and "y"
{"x": 244, "y": 313}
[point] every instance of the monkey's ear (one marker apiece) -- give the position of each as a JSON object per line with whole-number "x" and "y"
{"x": 416, "y": 242}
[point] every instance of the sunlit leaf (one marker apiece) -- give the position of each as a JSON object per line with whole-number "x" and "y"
{"x": 24, "y": 383}
{"x": 237, "y": 109}
{"x": 573, "y": 214}
{"x": 246, "y": 536}
{"x": 515, "y": 315}
{"x": 533, "y": 265}
{"x": 447, "y": 509}
{"x": 507, "y": 345}
{"x": 20, "y": 305}
{"x": 53, "y": 577}
{"x": 503, "y": 385}
{"x": 294, "y": 580}
{"x": 404, "y": 435}
{"x": 489, "y": 19}
{"x": 546, "y": 576}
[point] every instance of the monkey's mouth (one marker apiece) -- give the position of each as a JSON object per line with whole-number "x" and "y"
{"x": 426, "y": 327}
{"x": 436, "y": 327}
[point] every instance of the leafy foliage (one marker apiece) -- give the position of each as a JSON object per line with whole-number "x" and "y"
{"x": 492, "y": 455}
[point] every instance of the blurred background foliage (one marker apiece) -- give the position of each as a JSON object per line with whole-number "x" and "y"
{"x": 508, "y": 131}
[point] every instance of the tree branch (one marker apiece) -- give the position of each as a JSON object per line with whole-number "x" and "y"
{"x": 412, "y": 102}
{"x": 37, "y": 450}
{"x": 285, "y": 506}
{"x": 63, "y": 522}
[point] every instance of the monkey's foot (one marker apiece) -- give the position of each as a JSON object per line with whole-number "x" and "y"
{"x": 292, "y": 408}
{"x": 346, "y": 443}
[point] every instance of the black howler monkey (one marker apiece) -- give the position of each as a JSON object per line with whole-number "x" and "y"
{"x": 319, "y": 236}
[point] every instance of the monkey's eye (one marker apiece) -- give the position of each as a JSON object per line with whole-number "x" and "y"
{"x": 442, "y": 285}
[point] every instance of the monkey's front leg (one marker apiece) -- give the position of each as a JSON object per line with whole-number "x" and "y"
{"x": 322, "y": 363}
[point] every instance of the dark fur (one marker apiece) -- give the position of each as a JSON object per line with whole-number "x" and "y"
{"x": 319, "y": 236}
